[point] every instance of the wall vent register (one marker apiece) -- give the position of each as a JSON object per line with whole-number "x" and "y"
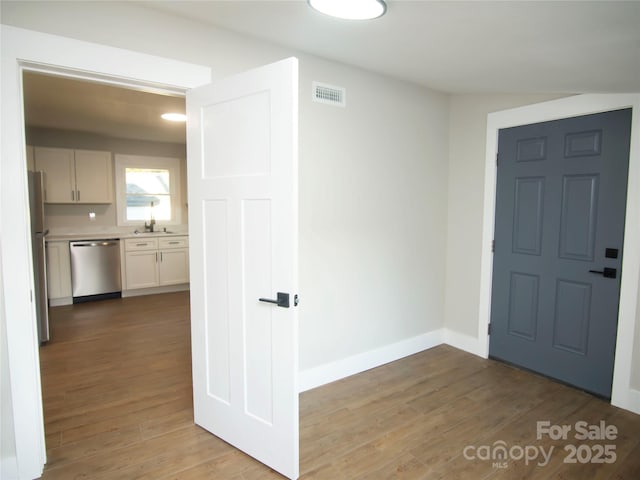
{"x": 329, "y": 94}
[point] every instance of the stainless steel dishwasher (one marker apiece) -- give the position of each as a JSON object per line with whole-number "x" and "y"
{"x": 95, "y": 269}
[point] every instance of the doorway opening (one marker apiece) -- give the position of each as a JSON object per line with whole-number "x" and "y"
{"x": 66, "y": 116}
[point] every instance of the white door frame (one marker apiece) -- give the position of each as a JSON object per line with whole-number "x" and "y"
{"x": 49, "y": 53}
{"x": 623, "y": 395}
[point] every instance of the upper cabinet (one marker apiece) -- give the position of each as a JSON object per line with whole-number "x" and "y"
{"x": 75, "y": 176}
{"x": 94, "y": 176}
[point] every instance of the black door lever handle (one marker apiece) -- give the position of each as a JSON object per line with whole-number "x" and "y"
{"x": 281, "y": 301}
{"x": 606, "y": 273}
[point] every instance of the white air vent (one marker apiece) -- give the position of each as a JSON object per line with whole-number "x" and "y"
{"x": 329, "y": 94}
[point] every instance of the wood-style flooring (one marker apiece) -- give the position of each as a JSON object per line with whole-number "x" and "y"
{"x": 116, "y": 381}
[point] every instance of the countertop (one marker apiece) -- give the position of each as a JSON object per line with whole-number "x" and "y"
{"x": 74, "y": 236}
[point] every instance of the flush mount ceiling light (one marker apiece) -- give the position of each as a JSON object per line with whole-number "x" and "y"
{"x": 174, "y": 117}
{"x": 350, "y": 9}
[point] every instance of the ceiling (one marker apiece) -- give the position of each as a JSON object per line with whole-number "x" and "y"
{"x": 456, "y": 46}
{"x": 452, "y": 46}
{"x": 63, "y": 103}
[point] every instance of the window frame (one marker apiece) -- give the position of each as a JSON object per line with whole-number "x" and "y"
{"x": 122, "y": 162}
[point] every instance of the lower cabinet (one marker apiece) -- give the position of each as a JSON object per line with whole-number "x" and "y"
{"x": 156, "y": 262}
{"x": 173, "y": 267}
{"x": 58, "y": 271}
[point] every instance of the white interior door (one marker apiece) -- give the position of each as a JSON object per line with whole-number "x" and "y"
{"x": 242, "y": 166}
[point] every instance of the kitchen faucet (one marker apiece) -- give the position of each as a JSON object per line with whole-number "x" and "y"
{"x": 148, "y": 227}
{"x": 152, "y": 221}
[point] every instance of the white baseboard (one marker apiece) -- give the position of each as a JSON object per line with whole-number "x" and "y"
{"x": 463, "y": 342}
{"x": 58, "y": 302}
{"x": 155, "y": 290}
{"x": 634, "y": 401}
{"x": 330, "y": 372}
{"x": 630, "y": 401}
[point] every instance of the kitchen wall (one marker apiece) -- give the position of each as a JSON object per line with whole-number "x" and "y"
{"x": 76, "y": 217}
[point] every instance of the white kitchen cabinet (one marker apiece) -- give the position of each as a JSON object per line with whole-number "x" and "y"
{"x": 142, "y": 269}
{"x": 155, "y": 262}
{"x": 58, "y": 167}
{"x": 174, "y": 260}
{"x": 58, "y": 271}
{"x": 94, "y": 176}
{"x": 75, "y": 176}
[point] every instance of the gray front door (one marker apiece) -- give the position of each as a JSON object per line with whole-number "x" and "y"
{"x": 560, "y": 208}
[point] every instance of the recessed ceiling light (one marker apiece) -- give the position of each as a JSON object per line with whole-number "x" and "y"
{"x": 350, "y": 9}
{"x": 174, "y": 117}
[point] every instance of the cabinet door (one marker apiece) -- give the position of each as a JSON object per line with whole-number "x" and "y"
{"x": 59, "y": 176}
{"x": 174, "y": 266}
{"x": 142, "y": 269}
{"x": 94, "y": 177}
{"x": 58, "y": 270}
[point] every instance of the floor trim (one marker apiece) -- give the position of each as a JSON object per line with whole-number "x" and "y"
{"x": 339, "y": 369}
{"x": 330, "y": 372}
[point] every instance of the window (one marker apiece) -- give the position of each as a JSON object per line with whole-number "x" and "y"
{"x": 147, "y": 187}
{"x": 148, "y": 193}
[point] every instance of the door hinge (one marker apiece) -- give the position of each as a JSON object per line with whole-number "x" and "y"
{"x": 493, "y": 246}
{"x": 489, "y": 329}
{"x": 497, "y": 159}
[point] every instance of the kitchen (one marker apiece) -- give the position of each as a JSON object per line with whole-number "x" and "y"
{"x": 113, "y": 193}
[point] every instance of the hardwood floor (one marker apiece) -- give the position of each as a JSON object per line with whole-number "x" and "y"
{"x": 117, "y": 403}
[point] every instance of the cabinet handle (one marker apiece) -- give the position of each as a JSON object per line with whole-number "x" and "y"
{"x": 161, "y": 257}
{"x": 156, "y": 257}
{"x": 73, "y": 196}
{"x": 141, "y": 244}
{"x": 174, "y": 243}
{"x": 78, "y": 195}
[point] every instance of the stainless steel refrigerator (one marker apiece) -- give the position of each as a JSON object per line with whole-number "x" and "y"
{"x": 38, "y": 234}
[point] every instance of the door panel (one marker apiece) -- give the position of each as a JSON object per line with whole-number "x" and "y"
{"x": 571, "y": 319}
{"x": 578, "y": 217}
{"x": 528, "y": 215}
{"x": 216, "y": 271}
{"x": 560, "y": 204}
{"x": 242, "y": 154}
{"x": 523, "y": 305}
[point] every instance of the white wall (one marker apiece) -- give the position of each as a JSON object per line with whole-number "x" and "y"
{"x": 372, "y": 213}
{"x": 8, "y": 465}
{"x": 133, "y": 27}
{"x": 75, "y": 217}
{"x": 635, "y": 372}
{"x": 373, "y": 176}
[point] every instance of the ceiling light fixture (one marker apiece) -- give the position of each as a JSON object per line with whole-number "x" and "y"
{"x": 174, "y": 117}
{"x": 350, "y": 9}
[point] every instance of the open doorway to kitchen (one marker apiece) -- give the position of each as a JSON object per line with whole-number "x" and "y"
{"x": 110, "y": 366}
{"x": 112, "y": 169}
